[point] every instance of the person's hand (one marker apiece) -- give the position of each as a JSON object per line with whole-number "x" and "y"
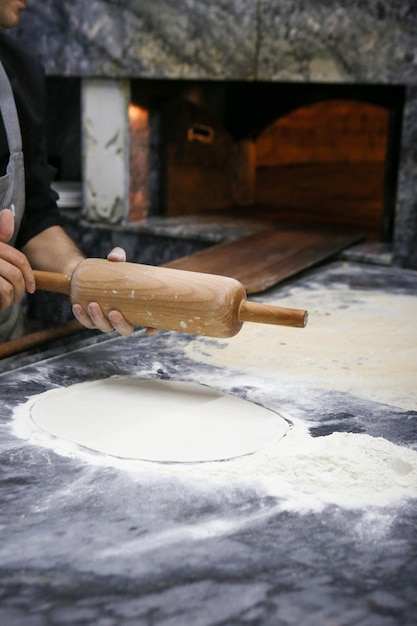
{"x": 16, "y": 274}
{"x": 94, "y": 316}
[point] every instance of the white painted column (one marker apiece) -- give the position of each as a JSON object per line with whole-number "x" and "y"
{"x": 106, "y": 149}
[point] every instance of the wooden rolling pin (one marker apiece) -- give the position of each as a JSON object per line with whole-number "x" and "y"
{"x": 170, "y": 299}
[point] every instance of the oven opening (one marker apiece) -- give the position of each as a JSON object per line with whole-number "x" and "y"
{"x": 317, "y": 155}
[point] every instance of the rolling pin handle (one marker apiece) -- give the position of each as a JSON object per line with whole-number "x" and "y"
{"x": 52, "y": 281}
{"x": 269, "y": 314}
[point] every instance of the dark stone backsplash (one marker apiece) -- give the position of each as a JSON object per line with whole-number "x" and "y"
{"x": 360, "y": 41}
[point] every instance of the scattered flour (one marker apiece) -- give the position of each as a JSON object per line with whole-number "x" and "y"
{"x": 349, "y": 470}
{"x": 346, "y": 469}
{"x": 362, "y": 342}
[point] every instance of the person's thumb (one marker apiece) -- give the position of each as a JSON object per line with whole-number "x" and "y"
{"x": 6, "y": 225}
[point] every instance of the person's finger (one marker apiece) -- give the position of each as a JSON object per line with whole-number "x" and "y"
{"x": 12, "y": 285}
{"x": 119, "y": 323}
{"x": 117, "y": 254}
{"x": 98, "y": 318}
{"x": 7, "y": 294}
{"x": 6, "y": 225}
{"x": 15, "y": 268}
{"x": 82, "y": 316}
{"x": 15, "y": 276}
{"x": 15, "y": 271}
{"x": 92, "y": 318}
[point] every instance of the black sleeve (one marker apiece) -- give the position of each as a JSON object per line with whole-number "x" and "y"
{"x": 28, "y": 83}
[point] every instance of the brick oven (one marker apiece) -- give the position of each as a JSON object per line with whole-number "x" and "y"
{"x": 302, "y": 112}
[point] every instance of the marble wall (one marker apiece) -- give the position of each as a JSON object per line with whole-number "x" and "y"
{"x": 346, "y": 41}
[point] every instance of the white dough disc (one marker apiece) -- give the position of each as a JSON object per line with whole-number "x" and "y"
{"x": 157, "y": 420}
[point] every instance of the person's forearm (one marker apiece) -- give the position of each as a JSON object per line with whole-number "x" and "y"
{"x": 53, "y": 251}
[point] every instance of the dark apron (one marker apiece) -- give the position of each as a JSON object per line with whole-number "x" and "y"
{"x": 12, "y": 193}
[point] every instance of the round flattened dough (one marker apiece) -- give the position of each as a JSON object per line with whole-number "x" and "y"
{"x": 157, "y": 420}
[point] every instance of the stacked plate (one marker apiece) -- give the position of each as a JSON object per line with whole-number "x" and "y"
{"x": 70, "y": 194}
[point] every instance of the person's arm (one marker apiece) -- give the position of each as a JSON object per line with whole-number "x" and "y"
{"x": 52, "y": 250}
{"x": 41, "y": 242}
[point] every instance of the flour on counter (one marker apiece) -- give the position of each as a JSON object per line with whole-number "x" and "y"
{"x": 356, "y": 341}
{"x": 346, "y": 469}
{"x": 349, "y": 470}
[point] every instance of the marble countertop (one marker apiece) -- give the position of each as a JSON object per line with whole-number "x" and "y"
{"x": 87, "y": 539}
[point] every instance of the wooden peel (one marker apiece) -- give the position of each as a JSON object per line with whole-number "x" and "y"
{"x": 165, "y": 298}
{"x": 39, "y": 338}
